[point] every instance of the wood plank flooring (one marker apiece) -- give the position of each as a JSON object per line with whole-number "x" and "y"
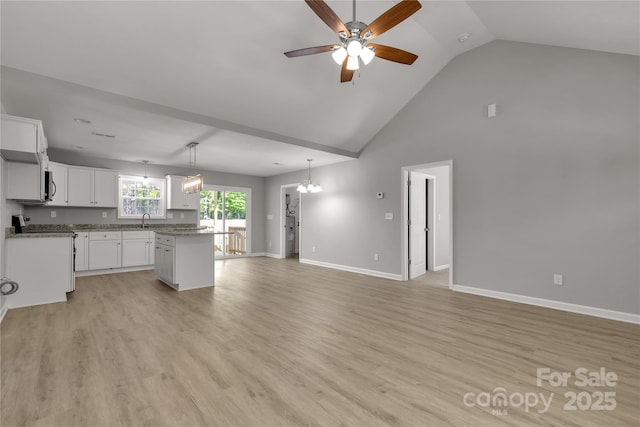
{"x": 277, "y": 343}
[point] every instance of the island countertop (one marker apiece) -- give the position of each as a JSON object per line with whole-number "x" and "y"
{"x": 192, "y": 232}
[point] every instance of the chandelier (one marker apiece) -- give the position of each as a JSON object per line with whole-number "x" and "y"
{"x": 308, "y": 186}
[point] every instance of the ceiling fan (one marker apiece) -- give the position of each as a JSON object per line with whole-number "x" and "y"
{"x": 355, "y": 37}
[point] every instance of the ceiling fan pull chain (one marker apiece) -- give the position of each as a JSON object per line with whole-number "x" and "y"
{"x": 354, "y": 10}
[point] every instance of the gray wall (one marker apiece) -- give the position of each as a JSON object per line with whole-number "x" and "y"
{"x": 550, "y": 185}
{"x": 69, "y": 215}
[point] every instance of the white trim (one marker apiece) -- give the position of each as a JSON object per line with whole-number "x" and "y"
{"x": 283, "y": 221}
{"x": 271, "y": 255}
{"x": 3, "y": 312}
{"x": 441, "y": 267}
{"x": 353, "y": 269}
{"x": 556, "y": 305}
{"x": 254, "y": 254}
{"x": 404, "y": 236}
{"x": 86, "y": 273}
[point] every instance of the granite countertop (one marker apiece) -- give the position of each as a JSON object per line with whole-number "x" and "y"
{"x": 190, "y": 232}
{"x": 34, "y": 234}
{"x": 66, "y": 230}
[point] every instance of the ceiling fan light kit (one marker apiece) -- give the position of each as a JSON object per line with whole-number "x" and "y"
{"x": 354, "y": 37}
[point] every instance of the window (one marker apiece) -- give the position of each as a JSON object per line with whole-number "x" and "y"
{"x": 139, "y": 196}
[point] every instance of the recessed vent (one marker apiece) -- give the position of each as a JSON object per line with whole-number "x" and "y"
{"x": 104, "y": 135}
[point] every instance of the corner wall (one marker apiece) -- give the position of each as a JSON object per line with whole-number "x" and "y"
{"x": 550, "y": 185}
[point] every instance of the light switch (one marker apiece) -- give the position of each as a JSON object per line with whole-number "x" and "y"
{"x": 169, "y": 215}
{"x": 388, "y": 215}
{"x": 491, "y": 110}
{"x": 269, "y": 217}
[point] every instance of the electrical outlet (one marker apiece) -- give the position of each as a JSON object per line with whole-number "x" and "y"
{"x": 182, "y": 215}
{"x": 269, "y": 244}
{"x": 376, "y": 257}
{"x": 313, "y": 248}
{"x": 53, "y": 214}
{"x": 557, "y": 279}
{"x": 104, "y": 214}
{"x": 169, "y": 215}
{"x": 388, "y": 215}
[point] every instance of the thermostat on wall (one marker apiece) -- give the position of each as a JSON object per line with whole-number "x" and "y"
{"x": 380, "y": 195}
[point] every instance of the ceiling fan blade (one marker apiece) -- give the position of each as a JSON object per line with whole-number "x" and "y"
{"x": 309, "y": 51}
{"x": 393, "y": 54}
{"x": 392, "y": 17}
{"x": 345, "y": 75}
{"x": 328, "y": 16}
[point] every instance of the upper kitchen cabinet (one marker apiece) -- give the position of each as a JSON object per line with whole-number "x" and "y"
{"x": 92, "y": 187}
{"x": 59, "y": 178}
{"x": 176, "y": 199}
{"x": 23, "y": 140}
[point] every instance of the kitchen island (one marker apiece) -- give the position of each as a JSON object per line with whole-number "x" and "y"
{"x": 184, "y": 259}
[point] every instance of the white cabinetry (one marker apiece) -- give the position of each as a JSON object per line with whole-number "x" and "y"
{"x": 137, "y": 248}
{"x": 92, "y": 187}
{"x": 105, "y": 250}
{"x": 59, "y": 176}
{"x": 46, "y": 282}
{"x": 23, "y": 139}
{"x": 25, "y": 181}
{"x": 176, "y": 199}
{"x": 185, "y": 261}
{"x": 82, "y": 251}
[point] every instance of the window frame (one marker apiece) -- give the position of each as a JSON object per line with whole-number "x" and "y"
{"x": 162, "y": 199}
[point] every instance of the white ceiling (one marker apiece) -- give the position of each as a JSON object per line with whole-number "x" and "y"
{"x": 161, "y": 74}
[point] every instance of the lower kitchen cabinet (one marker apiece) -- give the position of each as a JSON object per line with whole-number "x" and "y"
{"x": 82, "y": 251}
{"x": 137, "y": 248}
{"x": 46, "y": 282}
{"x": 185, "y": 261}
{"x": 105, "y": 250}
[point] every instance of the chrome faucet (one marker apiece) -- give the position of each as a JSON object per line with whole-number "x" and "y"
{"x": 148, "y": 215}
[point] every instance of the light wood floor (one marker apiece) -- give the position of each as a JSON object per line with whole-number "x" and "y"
{"x": 278, "y": 343}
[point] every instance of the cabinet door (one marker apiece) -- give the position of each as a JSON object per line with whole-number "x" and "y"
{"x": 60, "y": 180}
{"x": 134, "y": 252}
{"x": 158, "y": 259}
{"x": 169, "y": 264}
{"x": 104, "y": 254}
{"x": 105, "y": 189}
{"x": 20, "y": 139}
{"x": 82, "y": 251}
{"x": 151, "y": 253}
{"x": 192, "y": 201}
{"x": 25, "y": 181}
{"x": 80, "y": 186}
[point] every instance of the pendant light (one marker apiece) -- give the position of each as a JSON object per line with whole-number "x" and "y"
{"x": 308, "y": 186}
{"x": 145, "y": 178}
{"x": 192, "y": 183}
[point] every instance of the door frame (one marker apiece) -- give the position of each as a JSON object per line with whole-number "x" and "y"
{"x": 429, "y": 254}
{"x": 249, "y": 213}
{"x": 404, "y": 214}
{"x": 283, "y": 221}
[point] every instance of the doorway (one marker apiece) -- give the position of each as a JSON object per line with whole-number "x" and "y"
{"x": 290, "y": 213}
{"x": 228, "y": 210}
{"x": 427, "y": 244}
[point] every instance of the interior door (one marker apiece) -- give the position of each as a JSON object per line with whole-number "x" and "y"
{"x": 417, "y": 225}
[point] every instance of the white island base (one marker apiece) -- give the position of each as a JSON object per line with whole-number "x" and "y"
{"x": 185, "y": 259}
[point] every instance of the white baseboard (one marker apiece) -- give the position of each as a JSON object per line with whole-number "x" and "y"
{"x": 271, "y": 255}
{"x": 112, "y": 270}
{"x": 254, "y": 254}
{"x": 557, "y": 305}
{"x": 441, "y": 267}
{"x": 353, "y": 269}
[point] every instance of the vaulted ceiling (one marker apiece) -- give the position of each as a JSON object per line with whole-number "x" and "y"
{"x": 158, "y": 75}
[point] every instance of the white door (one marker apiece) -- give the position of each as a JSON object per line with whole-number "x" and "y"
{"x": 105, "y": 189}
{"x": 417, "y": 225}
